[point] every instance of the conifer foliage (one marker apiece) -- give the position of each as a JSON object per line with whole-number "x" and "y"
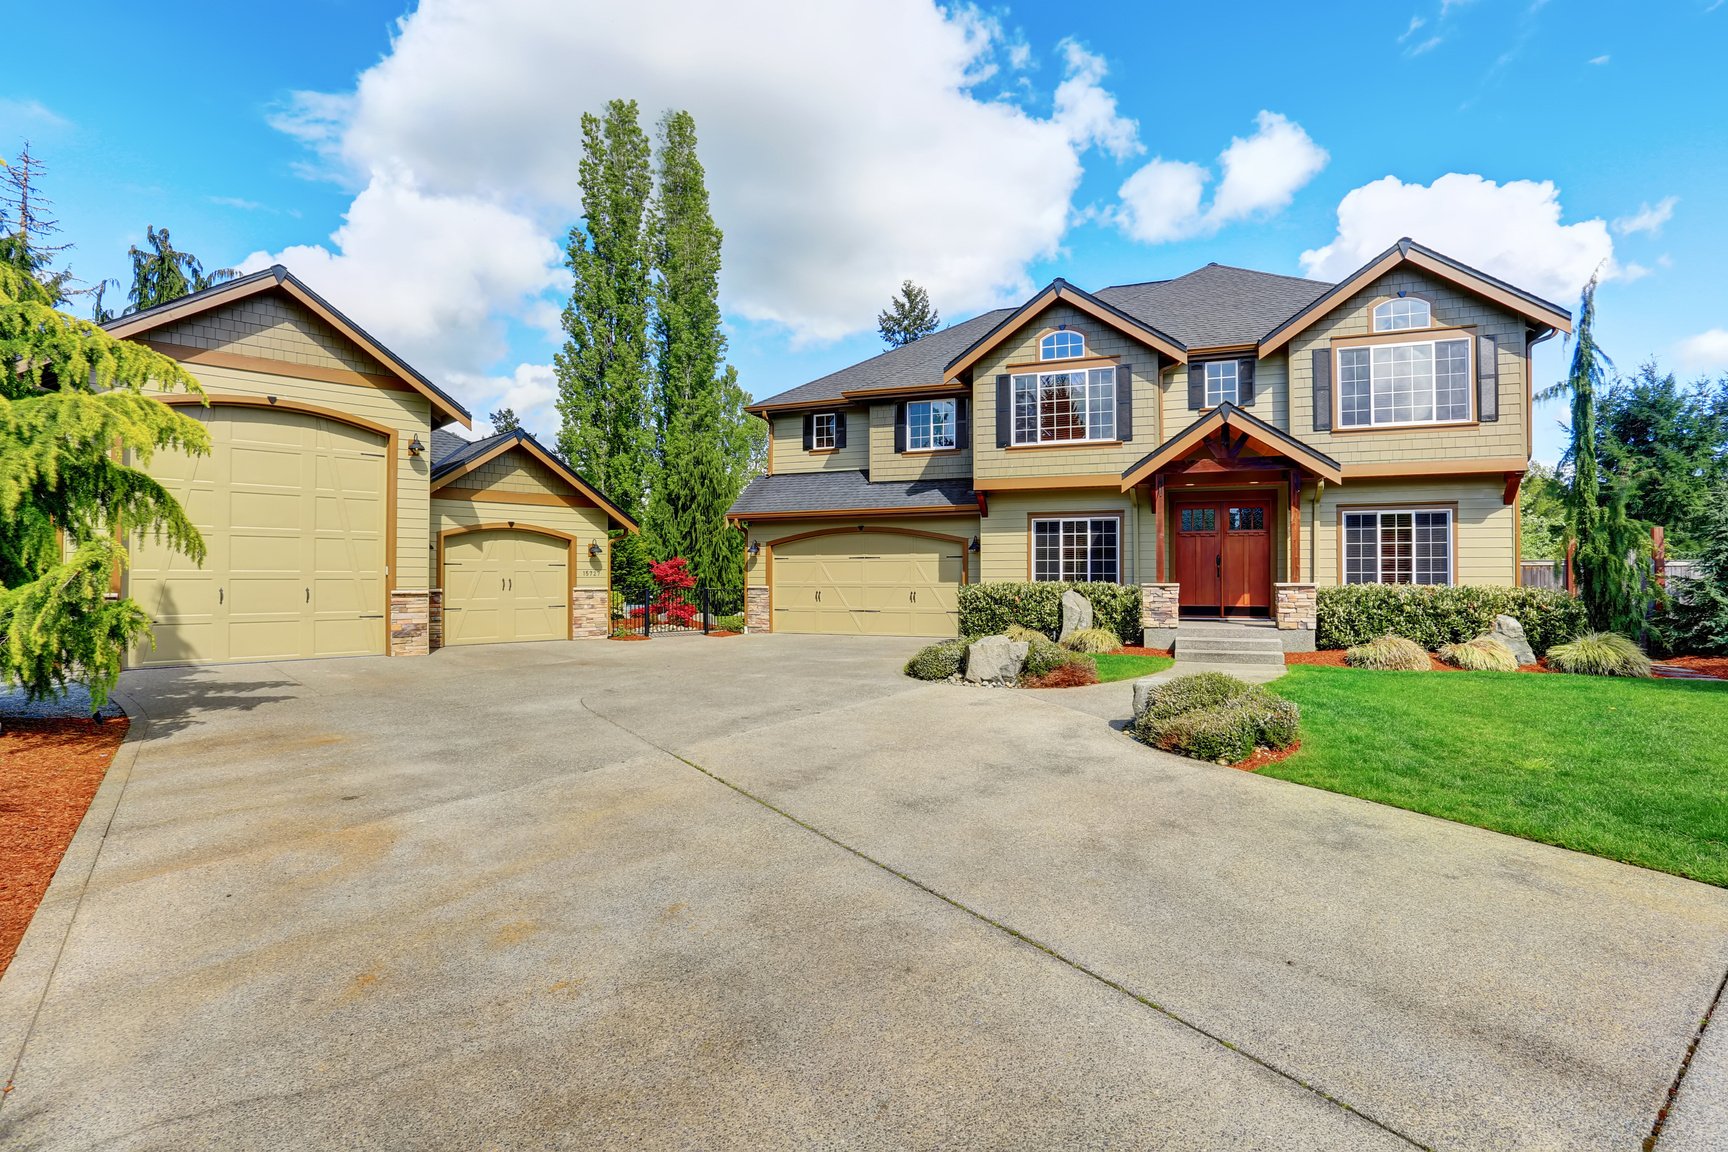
{"x": 908, "y": 317}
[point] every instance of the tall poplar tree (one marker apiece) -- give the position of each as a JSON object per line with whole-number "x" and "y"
{"x": 606, "y": 429}
{"x": 699, "y": 417}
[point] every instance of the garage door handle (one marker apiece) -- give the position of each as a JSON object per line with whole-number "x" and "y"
{"x": 308, "y": 595}
{"x": 912, "y": 597}
{"x": 219, "y": 593}
{"x": 818, "y": 596}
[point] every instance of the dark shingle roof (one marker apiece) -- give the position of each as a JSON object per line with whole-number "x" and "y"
{"x": 920, "y": 362}
{"x": 1216, "y": 306}
{"x": 845, "y": 491}
{"x": 450, "y": 450}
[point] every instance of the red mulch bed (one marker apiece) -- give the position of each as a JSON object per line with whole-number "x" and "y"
{"x": 49, "y": 770}
{"x": 1265, "y": 756}
{"x": 1707, "y": 665}
{"x": 1075, "y": 675}
{"x": 629, "y": 636}
{"x": 1134, "y": 650}
{"x": 1334, "y": 658}
{"x": 717, "y": 633}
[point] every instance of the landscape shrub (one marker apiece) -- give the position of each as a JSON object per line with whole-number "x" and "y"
{"x": 733, "y": 623}
{"x": 988, "y": 609}
{"x": 1191, "y": 694}
{"x": 1389, "y": 654}
{"x": 1226, "y": 732}
{"x": 1093, "y": 640}
{"x": 1432, "y": 615}
{"x": 939, "y": 661}
{"x": 1483, "y": 654}
{"x": 1076, "y": 673}
{"x": 1044, "y": 656}
{"x": 1021, "y": 634}
{"x": 1600, "y": 654}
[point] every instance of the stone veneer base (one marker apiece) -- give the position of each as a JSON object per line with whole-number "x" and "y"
{"x": 590, "y": 613}
{"x": 410, "y": 625}
{"x": 756, "y": 615}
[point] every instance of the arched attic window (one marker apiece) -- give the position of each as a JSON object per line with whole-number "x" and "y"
{"x": 1062, "y": 344}
{"x": 1402, "y": 313}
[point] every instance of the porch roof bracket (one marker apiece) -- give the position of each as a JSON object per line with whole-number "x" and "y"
{"x": 1225, "y": 417}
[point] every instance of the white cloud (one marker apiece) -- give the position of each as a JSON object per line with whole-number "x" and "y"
{"x": 531, "y": 391}
{"x": 1630, "y": 272}
{"x": 1262, "y": 173}
{"x": 433, "y": 276}
{"x": 1649, "y": 218}
{"x": 844, "y": 146}
{"x": 1602, "y": 59}
{"x": 1511, "y": 230}
{"x": 1416, "y": 23}
{"x": 1705, "y": 352}
{"x": 21, "y": 114}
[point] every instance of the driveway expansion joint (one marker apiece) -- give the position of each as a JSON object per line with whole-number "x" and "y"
{"x": 1021, "y": 937}
{"x": 1654, "y": 1140}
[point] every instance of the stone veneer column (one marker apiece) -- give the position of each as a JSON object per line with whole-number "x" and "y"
{"x": 756, "y": 617}
{"x": 1159, "y": 613}
{"x": 1295, "y": 611}
{"x": 590, "y": 613}
{"x": 435, "y": 619}
{"x": 408, "y": 622}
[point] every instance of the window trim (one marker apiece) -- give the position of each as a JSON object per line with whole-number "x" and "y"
{"x": 816, "y": 444}
{"x": 1430, "y": 337}
{"x": 1373, "y": 322}
{"x": 953, "y": 403}
{"x": 1116, "y": 514}
{"x": 1450, "y": 507}
{"x": 1014, "y": 401}
{"x": 1084, "y": 352}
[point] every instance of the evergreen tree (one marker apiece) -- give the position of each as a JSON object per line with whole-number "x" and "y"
{"x": 161, "y": 273}
{"x": 70, "y": 394}
{"x": 505, "y": 420}
{"x": 1666, "y": 445}
{"x": 1698, "y": 617}
{"x": 27, "y": 225}
{"x": 606, "y": 423}
{"x": 1542, "y": 514}
{"x": 908, "y": 317}
{"x": 1597, "y": 526}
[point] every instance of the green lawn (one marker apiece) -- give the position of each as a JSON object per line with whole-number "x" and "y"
{"x": 1112, "y": 667}
{"x": 1634, "y": 770}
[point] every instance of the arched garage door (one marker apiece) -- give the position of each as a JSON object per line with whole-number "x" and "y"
{"x": 504, "y": 584}
{"x": 291, "y": 506}
{"x": 868, "y": 583}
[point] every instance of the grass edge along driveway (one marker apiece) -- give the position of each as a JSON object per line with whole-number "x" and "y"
{"x": 1633, "y": 770}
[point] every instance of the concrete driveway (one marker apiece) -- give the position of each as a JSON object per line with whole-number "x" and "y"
{"x": 764, "y": 892}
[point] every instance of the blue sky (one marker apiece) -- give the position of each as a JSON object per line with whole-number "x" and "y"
{"x": 416, "y": 163}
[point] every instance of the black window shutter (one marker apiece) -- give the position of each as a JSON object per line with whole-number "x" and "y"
{"x": 1196, "y": 386}
{"x": 809, "y": 431}
{"x": 962, "y": 426}
{"x": 839, "y": 429}
{"x": 1004, "y": 411}
{"x": 1323, "y": 389}
{"x": 900, "y": 427}
{"x": 1245, "y": 381}
{"x": 1487, "y": 378}
{"x": 1124, "y": 402}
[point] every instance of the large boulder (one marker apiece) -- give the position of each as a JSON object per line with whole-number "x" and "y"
{"x": 1076, "y": 614}
{"x": 995, "y": 660}
{"x": 1509, "y": 632}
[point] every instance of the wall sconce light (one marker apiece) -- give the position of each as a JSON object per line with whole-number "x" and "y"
{"x": 755, "y": 547}
{"x": 973, "y": 547}
{"x": 414, "y": 446}
{"x": 594, "y": 550}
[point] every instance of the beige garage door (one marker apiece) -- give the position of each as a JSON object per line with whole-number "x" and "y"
{"x": 505, "y": 584}
{"x": 292, "y": 510}
{"x": 868, "y": 583}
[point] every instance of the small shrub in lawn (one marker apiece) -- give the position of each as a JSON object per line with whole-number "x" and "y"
{"x": 938, "y": 662}
{"x": 1192, "y": 693}
{"x": 1600, "y": 654}
{"x": 1389, "y": 654}
{"x": 1226, "y": 732}
{"x": 1044, "y": 656}
{"x": 729, "y": 623}
{"x": 1093, "y": 640}
{"x": 1483, "y": 654}
{"x": 1076, "y": 673}
{"x": 1432, "y": 615}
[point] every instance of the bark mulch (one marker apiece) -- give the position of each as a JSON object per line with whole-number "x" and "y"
{"x": 1334, "y": 658}
{"x": 49, "y": 770}
{"x": 1716, "y": 666}
{"x": 1265, "y": 756}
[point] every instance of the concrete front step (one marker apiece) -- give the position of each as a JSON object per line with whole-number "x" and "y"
{"x": 1231, "y": 656}
{"x": 1230, "y": 643}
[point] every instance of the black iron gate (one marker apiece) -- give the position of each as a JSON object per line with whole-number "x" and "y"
{"x": 651, "y": 611}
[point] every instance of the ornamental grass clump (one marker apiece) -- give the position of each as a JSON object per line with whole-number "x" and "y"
{"x": 939, "y": 661}
{"x": 1021, "y": 634}
{"x": 1389, "y": 654}
{"x": 1600, "y": 654}
{"x": 1483, "y": 654}
{"x": 1093, "y": 640}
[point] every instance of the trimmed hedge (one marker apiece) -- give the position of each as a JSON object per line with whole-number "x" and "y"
{"x": 1433, "y": 616}
{"x": 938, "y": 661}
{"x": 989, "y": 609}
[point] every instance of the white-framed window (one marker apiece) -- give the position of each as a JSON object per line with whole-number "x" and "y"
{"x": 1063, "y": 344}
{"x": 930, "y": 425}
{"x": 1398, "y": 546}
{"x": 823, "y": 435}
{"x": 1417, "y": 383}
{"x": 1222, "y": 377}
{"x": 1052, "y": 407}
{"x": 1077, "y": 548}
{"x": 1401, "y": 314}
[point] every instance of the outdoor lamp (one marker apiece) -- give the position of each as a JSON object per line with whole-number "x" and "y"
{"x": 973, "y": 547}
{"x": 594, "y": 550}
{"x": 415, "y": 447}
{"x": 755, "y": 547}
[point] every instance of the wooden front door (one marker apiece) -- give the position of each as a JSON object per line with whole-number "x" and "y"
{"x": 1224, "y": 556}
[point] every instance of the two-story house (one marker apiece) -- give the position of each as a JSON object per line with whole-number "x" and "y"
{"x": 1229, "y": 440}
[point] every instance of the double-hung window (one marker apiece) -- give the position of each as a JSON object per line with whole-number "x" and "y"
{"x": 1077, "y": 548}
{"x": 1053, "y": 407}
{"x": 1222, "y": 377}
{"x": 823, "y": 432}
{"x": 1403, "y": 546}
{"x": 930, "y": 425}
{"x": 1422, "y": 382}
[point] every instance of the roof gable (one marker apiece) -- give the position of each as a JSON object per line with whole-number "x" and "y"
{"x": 271, "y": 315}
{"x": 1060, "y": 290}
{"x": 1241, "y": 429}
{"x": 454, "y": 458}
